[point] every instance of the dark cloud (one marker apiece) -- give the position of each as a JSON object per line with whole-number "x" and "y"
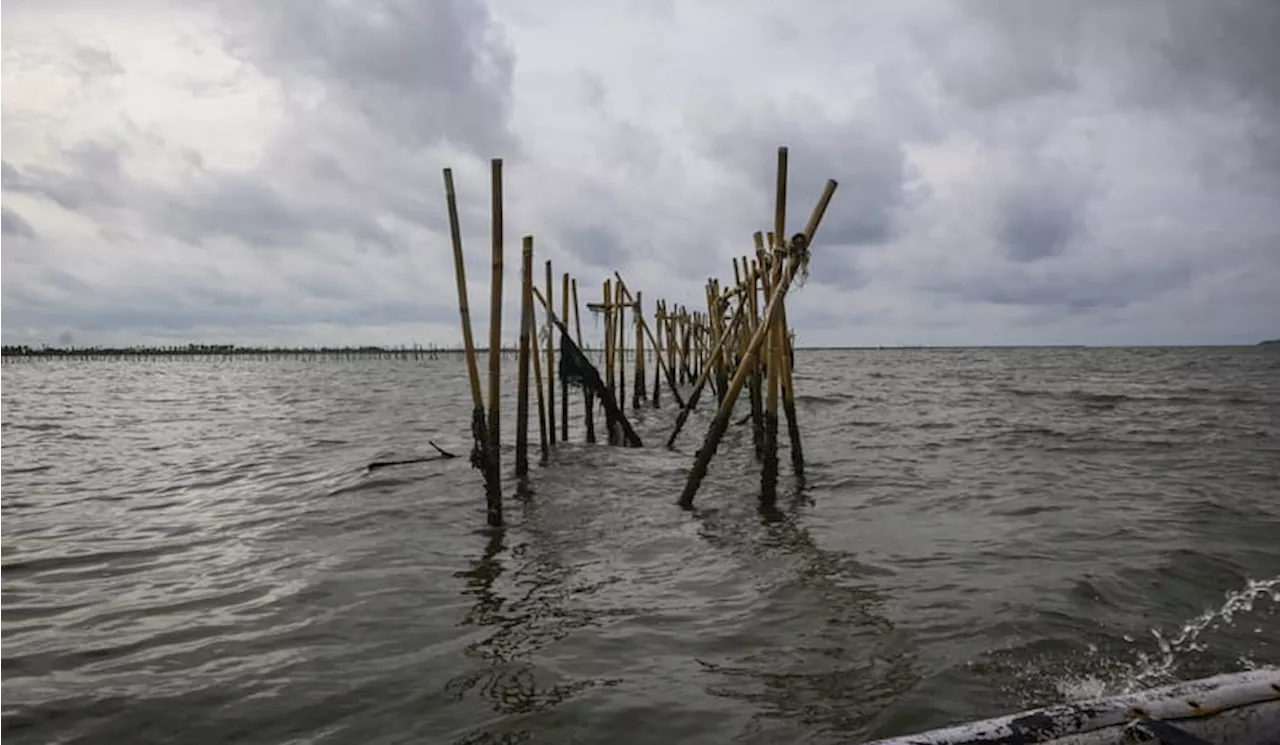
{"x": 596, "y": 245}
{"x": 421, "y": 72}
{"x": 1164, "y": 58}
{"x": 16, "y": 225}
{"x": 1071, "y": 289}
{"x": 1038, "y": 221}
{"x": 877, "y": 184}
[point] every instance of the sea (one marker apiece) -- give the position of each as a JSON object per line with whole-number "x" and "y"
{"x": 195, "y": 551}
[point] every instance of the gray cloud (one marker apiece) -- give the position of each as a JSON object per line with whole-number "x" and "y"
{"x": 16, "y": 225}
{"x": 1045, "y": 169}
{"x": 416, "y": 71}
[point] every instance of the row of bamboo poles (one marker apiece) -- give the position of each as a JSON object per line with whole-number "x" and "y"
{"x": 741, "y": 340}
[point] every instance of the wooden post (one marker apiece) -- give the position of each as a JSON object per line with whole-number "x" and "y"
{"x": 551, "y": 362}
{"x": 564, "y": 382}
{"x": 522, "y": 376}
{"x": 494, "y": 493}
{"x": 789, "y": 396}
{"x": 801, "y": 242}
{"x": 659, "y": 366}
{"x": 536, "y": 352}
{"x": 671, "y": 381}
{"x": 460, "y": 274}
{"x": 608, "y": 336}
{"x": 774, "y": 340}
{"x": 637, "y": 316}
{"x": 588, "y": 400}
{"x": 721, "y": 349}
{"x": 621, "y": 321}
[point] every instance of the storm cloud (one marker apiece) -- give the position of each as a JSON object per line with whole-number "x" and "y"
{"x": 1055, "y": 172}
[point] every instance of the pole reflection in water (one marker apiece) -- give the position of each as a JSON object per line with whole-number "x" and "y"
{"x": 838, "y": 661}
{"x": 535, "y": 606}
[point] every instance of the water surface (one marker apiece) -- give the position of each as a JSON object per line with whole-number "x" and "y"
{"x": 194, "y": 551}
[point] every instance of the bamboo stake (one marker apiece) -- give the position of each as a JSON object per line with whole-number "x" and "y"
{"x": 522, "y": 375}
{"x": 621, "y": 321}
{"x": 671, "y": 381}
{"x": 535, "y": 352}
{"x": 608, "y": 336}
{"x": 789, "y": 397}
{"x": 464, "y": 308}
{"x": 720, "y": 350}
{"x": 638, "y": 320}
{"x": 774, "y": 342}
{"x": 494, "y": 493}
{"x": 627, "y": 435}
{"x": 551, "y": 363}
{"x": 588, "y": 400}
{"x": 802, "y": 242}
{"x": 564, "y": 382}
{"x": 659, "y": 366}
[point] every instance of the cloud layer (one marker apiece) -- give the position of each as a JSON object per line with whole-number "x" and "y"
{"x": 1010, "y": 173}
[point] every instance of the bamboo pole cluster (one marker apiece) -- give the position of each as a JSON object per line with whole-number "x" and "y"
{"x": 740, "y": 340}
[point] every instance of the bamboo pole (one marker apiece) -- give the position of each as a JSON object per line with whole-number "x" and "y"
{"x": 720, "y": 350}
{"x": 535, "y": 352}
{"x": 621, "y": 321}
{"x": 627, "y": 435}
{"x": 522, "y": 375}
{"x": 577, "y": 316}
{"x": 494, "y": 493}
{"x": 774, "y": 341}
{"x": 659, "y": 367}
{"x": 564, "y": 382}
{"x": 755, "y": 393}
{"x": 464, "y": 308}
{"x": 588, "y": 400}
{"x": 671, "y": 381}
{"x": 789, "y": 396}
{"x": 638, "y": 321}
{"x": 551, "y": 362}
{"x": 608, "y": 336}
{"x": 802, "y": 243}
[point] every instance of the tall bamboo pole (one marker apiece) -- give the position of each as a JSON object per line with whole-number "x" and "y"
{"x": 551, "y": 362}
{"x": 621, "y": 321}
{"x": 564, "y": 382}
{"x": 536, "y": 353}
{"x": 464, "y": 308}
{"x": 637, "y": 317}
{"x": 494, "y": 493}
{"x": 522, "y": 375}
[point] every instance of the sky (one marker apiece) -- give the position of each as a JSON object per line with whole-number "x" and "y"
{"x": 1054, "y": 172}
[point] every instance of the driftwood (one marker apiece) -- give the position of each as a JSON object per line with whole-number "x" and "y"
{"x": 441, "y": 454}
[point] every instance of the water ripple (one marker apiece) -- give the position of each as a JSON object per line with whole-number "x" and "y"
{"x": 196, "y": 551}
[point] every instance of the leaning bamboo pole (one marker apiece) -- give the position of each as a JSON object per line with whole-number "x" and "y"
{"x": 483, "y": 427}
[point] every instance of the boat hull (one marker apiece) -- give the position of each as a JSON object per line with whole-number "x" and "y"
{"x": 1236, "y": 708}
